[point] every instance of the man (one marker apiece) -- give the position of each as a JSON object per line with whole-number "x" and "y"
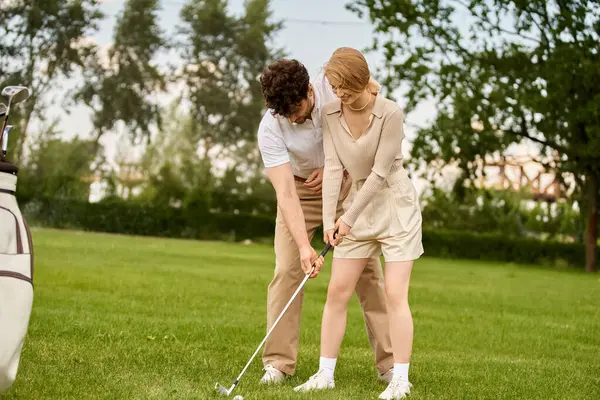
{"x": 291, "y": 144}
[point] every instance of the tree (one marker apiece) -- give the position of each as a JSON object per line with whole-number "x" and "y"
{"x": 499, "y": 211}
{"x": 175, "y": 173}
{"x": 503, "y": 73}
{"x": 124, "y": 86}
{"x": 42, "y": 43}
{"x": 57, "y": 168}
{"x": 222, "y": 56}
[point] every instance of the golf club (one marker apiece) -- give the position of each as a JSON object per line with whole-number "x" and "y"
{"x": 3, "y": 109}
{"x": 5, "y": 141}
{"x": 222, "y": 389}
{"x": 14, "y": 95}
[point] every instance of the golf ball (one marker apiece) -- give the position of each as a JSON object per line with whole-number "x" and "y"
{"x": 238, "y": 397}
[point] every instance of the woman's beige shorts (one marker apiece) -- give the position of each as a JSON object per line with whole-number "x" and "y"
{"x": 390, "y": 224}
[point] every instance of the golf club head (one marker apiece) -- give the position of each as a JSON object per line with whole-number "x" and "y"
{"x": 3, "y": 109}
{"x": 15, "y": 94}
{"x": 223, "y": 391}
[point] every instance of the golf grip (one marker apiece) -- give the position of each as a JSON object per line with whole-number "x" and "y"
{"x": 323, "y": 253}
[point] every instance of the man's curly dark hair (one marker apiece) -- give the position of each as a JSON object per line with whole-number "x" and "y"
{"x": 284, "y": 84}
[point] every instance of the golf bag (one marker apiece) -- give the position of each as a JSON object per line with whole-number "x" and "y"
{"x": 16, "y": 277}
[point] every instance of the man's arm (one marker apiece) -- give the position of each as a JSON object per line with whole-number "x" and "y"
{"x": 279, "y": 170}
{"x": 282, "y": 179}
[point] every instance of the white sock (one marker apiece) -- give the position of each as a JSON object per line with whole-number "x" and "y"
{"x": 328, "y": 366}
{"x": 401, "y": 371}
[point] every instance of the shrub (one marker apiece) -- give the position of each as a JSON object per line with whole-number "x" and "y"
{"x": 119, "y": 216}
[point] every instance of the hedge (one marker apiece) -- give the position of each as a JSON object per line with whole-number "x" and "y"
{"x": 146, "y": 220}
{"x": 497, "y": 247}
{"x": 130, "y": 218}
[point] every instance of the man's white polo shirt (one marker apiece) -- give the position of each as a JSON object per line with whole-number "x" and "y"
{"x": 301, "y": 145}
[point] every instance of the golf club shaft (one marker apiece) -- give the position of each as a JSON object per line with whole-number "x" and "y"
{"x": 4, "y": 140}
{"x": 3, "y": 127}
{"x": 276, "y": 322}
{"x": 4, "y": 122}
{"x": 323, "y": 253}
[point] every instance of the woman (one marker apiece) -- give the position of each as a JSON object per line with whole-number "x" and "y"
{"x": 363, "y": 133}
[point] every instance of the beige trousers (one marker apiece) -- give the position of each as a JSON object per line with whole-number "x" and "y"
{"x": 281, "y": 348}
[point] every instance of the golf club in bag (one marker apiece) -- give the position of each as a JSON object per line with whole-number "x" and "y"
{"x": 222, "y": 389}
{"x": 14, "y": 95}
{"x": 16, "y": 257}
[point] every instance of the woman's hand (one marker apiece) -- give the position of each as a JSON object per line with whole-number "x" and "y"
{"x": 334, "y": 238}
{"x": 343, "y": 230}
{"x": 329, "y": 237}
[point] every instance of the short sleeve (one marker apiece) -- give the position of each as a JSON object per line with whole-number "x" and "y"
{"x": 272, "y": 148}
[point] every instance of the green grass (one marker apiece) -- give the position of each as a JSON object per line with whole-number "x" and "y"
{"x": 119, "y": 317}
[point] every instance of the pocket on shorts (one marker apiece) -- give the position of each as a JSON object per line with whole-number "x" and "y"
{"x": 399, "y": 182}
{"x": 406, "y": 211}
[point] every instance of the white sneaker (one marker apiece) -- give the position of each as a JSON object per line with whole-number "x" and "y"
{"x": 272, "y": 375}
{"x": 387, "y": 376}
{"x": 397, "y": 389}
{"x": 316, "y": 382}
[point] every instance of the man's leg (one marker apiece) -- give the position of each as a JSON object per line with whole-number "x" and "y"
{"x": 281, "y": 348}
{"x": 370, "y": 290}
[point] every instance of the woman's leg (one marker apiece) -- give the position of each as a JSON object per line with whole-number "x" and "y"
{"x": 397, "y": 279}
{"x": 344, "y": 276}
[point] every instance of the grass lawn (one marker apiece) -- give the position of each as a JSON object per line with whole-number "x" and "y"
{"x": 141, "y": 318}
